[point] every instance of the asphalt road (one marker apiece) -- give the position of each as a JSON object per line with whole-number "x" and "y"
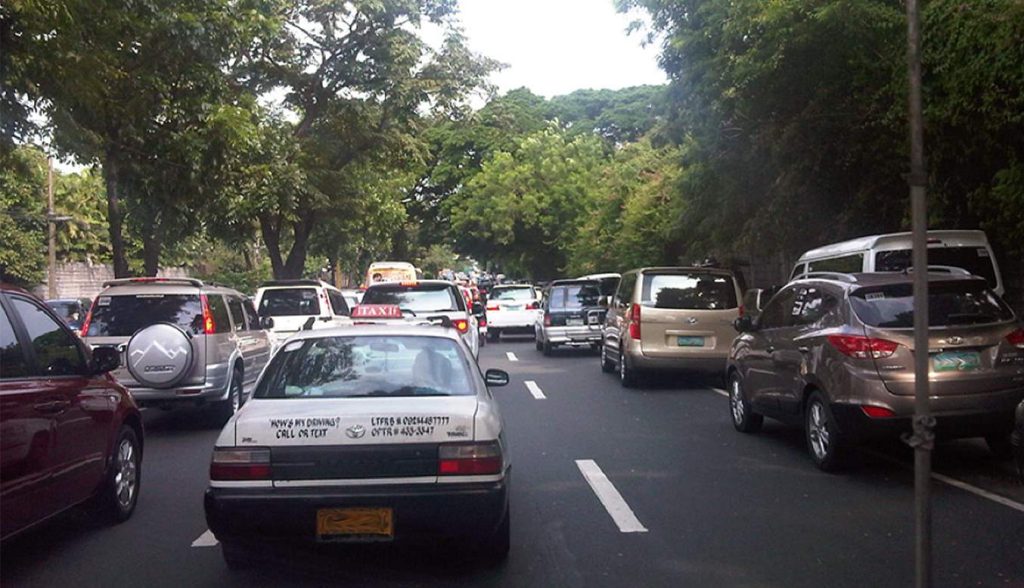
{"x": 701, "y": 504}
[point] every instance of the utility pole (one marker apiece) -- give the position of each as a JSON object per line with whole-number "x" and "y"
{"x": 51, "y": 222}
{"x": 922, "y": 438}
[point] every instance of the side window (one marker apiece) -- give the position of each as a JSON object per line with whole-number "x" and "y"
{"x": 810, "y": 305}
{"x": 798, "y": 270}
{"x": 237, "y": 314}
{"x": 778, "y": 312}
{"x": 12, "y": 359}
{"x": 250, "y": 315}
{"x": 338, "y": 303}
{"x": 219, "y": 311}
{"x": 846, "y": 264}
{"x": 56, "y": 349}
{"x": 624, "y": 293}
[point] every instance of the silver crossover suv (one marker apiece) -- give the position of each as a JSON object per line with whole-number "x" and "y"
{"x": 835, "y": 354}
{"x": 182, "y": 341}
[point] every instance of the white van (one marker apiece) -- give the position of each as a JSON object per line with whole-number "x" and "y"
{"x": 294, "y": 303}
{"x": 968, "y": 250}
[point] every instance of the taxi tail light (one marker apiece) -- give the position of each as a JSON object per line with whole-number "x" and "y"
{"x": 209, "y": 326}
{"x": 862, "y": 347}
{"x": 1015, "y": 338}
{"x": 469, "y": 459}
{"x": 248, "y": 463}
{"x": 461, "y": 325}
{"x": 877, "y": 412}
{"x": 492, "y": 307}
{"x": 88, "y": 319}
{"x": 634, "y": 322}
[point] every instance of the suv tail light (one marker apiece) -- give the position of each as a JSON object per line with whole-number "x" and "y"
{"x": 88, "y": 319}
{"x": 249, "y": 463}
{"x": 547, "y": 319}
{"x": 1015, "y": 338}
{"x": 209, "y": 326}
{"x": 634, "y": 322}
{"x": 461, "y": 325}
{"x": 469, "y": 459}
{"x": 863, "y": 347}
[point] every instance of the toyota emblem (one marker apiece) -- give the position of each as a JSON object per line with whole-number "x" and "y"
{"x": 955, "y": 340}
{"x": 355, "y": 431}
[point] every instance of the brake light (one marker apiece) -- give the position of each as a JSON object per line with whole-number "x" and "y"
{"x": 877, "y": 412}
{"x": 533, "y": 306}
{"x": 492, "y": 307}
{"x": 862, "y": 347}
{"x": 88, "y": 319}
{"x": 547, "y": 319}
{"x": 240, "y": 464}
{"x": 741, "y": 310}
{"x": 209, "y": 326}
{"x": 1015, "y": 338}
{"x": 483, "y": 322}
{"x": 462, "y": 325}
{"x": 469, "y": 459}
{"x": 408, "y": 283}
{"x": 634, "y": 322}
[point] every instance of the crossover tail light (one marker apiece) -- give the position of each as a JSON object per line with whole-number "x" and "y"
{"x": 235, "y": 464}
{"x": 469, "y": 459}
{"x": 863, "y": 347}
{"x": 877, "y": 412}
{"x": 1015, "y": 338}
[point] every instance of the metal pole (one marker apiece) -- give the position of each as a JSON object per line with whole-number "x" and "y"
{"x": 51, "y": 262}
{"x": 922, "y": 438}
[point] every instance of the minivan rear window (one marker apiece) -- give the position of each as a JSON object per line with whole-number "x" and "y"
{"x": 689, "y": 291}
{"x": 123, "y": 315}
{"x": 973, "y": 259}
{"x": 289, "y": 302}
{"x": 949, "y": 304}
{"x": 574, "y": 296}
{"x": 524, "y": 293}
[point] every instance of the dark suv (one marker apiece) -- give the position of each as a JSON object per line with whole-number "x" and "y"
{"x": 835, "y": 353}
{"x": 68, "y": 431}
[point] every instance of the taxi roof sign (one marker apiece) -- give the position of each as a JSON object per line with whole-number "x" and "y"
{"x": 377, "y": 311}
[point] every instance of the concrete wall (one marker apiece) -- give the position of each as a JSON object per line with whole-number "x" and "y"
{"x": 81, "y": 279}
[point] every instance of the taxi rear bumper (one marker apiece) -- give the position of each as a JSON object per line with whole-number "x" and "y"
{"x": 421, "y": 513}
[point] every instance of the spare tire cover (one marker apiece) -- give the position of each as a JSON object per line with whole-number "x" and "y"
{"x": 159, "y": 356}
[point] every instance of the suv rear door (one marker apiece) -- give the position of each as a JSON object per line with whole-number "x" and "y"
{"x": 687, "y": 312}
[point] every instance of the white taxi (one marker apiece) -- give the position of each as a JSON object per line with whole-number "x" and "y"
{"x": 364, "y": 434}
{"x": 512, "y": 308}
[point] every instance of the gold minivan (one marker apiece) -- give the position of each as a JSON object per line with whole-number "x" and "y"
{"x": 670, "y": 318}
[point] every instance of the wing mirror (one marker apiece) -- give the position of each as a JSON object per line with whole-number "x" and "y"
{"x": 266, "y": 323}
{"x": 105, "y": 359}
{"x": 496, "y": 378}
{"x": 744, "y": 324}
{"x": 603, "y": 302}
{"x": 478, "y": 308}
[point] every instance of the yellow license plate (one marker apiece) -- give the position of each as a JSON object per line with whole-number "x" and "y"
{"x": 353, "y": 523}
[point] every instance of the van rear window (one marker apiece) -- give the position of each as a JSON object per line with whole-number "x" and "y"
{"x": 973, "y": 259}
{"x": 689, "y": 291}
{"x": 574, "y": 296}
{"x": 289, "y": 302}
{"x": 949, "y": 304}
{"x": 122, "y": 316}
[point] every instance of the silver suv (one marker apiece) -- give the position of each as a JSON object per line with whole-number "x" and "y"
{"x": 182, "y": 341}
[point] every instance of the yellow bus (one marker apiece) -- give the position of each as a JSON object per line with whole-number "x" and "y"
{"x": 390, "y": 271}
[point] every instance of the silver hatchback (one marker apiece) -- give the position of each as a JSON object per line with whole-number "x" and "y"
{"x": 182, "y": 341}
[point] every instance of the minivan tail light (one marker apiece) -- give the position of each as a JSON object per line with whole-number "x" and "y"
{"x": 634, "y": 322}
{"x": 461, "y": 325}
{"x": 209, "y": 326}
{"x": 469, "y": 459}
{"x": 236, "y": 464}
{"x": 1015, "y": 338}
{"x": 863, "y": 347}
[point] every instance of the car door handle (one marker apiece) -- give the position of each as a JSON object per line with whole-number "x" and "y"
{"x": 52, "y": 407}
{"x": 803, "y": 349}
{"x": 770, "y": 349}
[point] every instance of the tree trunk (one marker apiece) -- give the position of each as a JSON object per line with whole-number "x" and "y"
{"x": 270, "y": 228}
{"x": 296, "y": 263}
{"x": 115, "y": 216}
{"x": 152, "y": 245}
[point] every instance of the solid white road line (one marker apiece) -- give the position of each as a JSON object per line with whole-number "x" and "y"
{"x": 610, "y": 497}
{"x": 956, "y": 483}
{"x": 720, "y": 392}
{"x": 205, "y": 540}
{"x": 535, "y": 390}
{"x": 511, "y": 356}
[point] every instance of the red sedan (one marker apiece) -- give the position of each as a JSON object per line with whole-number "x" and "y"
{"x": 69, "y": 433}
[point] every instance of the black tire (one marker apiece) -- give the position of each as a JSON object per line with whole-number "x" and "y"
{"x": 1000, "y": 445}
{"x": 744, "y": 419}
{"x": 236, "y": 556}
{"x": 826, "y": 450}
{"x": 493, "y": 335}
{"x": 225, "y": 409}
{"x": 607, "y": 366}
{"x": 627, "y": 375}
{"x": 547, "y": 348}
{"x": 494, "y": 548}
{"x": 119, "y": 493}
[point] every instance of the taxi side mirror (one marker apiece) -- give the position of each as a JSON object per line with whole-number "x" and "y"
{"x": 496, "y": 378}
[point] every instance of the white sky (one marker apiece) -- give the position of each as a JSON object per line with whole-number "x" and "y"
{"x": 556, "y": 46}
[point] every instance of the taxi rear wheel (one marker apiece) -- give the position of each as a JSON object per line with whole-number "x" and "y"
{"x": 496, "y": 547}
{"x": 607, "y": 365}
{"x": 225, "y": 409}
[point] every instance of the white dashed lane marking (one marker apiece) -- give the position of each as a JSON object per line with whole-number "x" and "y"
{"x": 535, "y": 390}
{"x": 511, "y": 356}
{"x": 610, "y": 497}
{"x": 205, "y": 540}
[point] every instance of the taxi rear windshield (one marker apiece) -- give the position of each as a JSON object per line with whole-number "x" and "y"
{"x": 949, "y": 304}
{"x": 689, "y": 291}
{"x": 122, "y": 316}
{"x": 419, "y": 298}
{"x": 367, "y": 366}
{"x": 289, "y": 302}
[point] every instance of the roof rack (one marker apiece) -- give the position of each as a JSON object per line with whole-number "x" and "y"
{"x": 944, "y": 269}
{"x": 838, "y": 276}
{"x": 150, "y": 280}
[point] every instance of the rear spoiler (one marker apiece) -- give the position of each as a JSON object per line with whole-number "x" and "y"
{"x": 127, "y": 281}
